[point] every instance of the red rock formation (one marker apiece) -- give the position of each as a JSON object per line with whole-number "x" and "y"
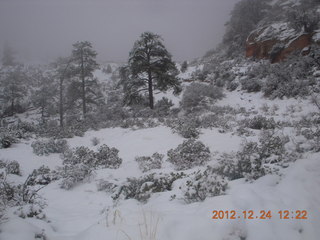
{"x": 276, "y": 43}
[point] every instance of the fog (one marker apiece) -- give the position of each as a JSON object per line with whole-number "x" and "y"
{"x": 41, "y": 30}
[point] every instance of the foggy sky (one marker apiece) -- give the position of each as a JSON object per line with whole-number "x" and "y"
{"x": 45, "y": 29}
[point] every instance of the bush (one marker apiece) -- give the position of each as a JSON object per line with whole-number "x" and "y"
{"x": 42, "y": 176}
{"x": 229, "y": 167}
{"x": 7, "y": 137}
{"x": 74, "y": 174}
{"x": 13, "y": 168}
{"x": 46, "y": 147}
{"x": 162, "y": 107}
{"x": 251, "y": 85}
{"x": 108, "y": 157}
{"x": 187, "y": 127}
{"x": 105, "y": 157}
{"x": 204, "y": 184}
{"x": 260, "y": 122}
{"x": 149, "y": 163}
{"x": 189, "y": 154}
{"x": 198, "y": 95}
{"x": 255, "y": 159}
{"x": 95, "y": 141}
{"x": 142, "y": 188}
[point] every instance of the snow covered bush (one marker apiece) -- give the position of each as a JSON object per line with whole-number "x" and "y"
{"x": 46, "y": 147}
{"x": 149, "y": 163}
{"x": 142, "y": 188}
{"x": 189, "y": 154}
{"x": 198, "y": 95}
{"x": 18, "y": 195}
{"x": 260, "y": 122}
{"x": 108, "y": 157}
{"x": 187, "y": 127}
{"x": 229, "y": 167}
{"x": 105, "y": 157}
{"x": 74, "y": 174}
{"x": 95, "y": 141}
{"x": 42, "y": 176}
{"x": 30, "y": 211}
{"x": 251, "y": 85}
{"x": 13, "y": 168}
{"x": 7, "y": 137}
{"x": 204, "y": 184}
{"x": 257, "y": 159}
{"x": 162, "y": 107}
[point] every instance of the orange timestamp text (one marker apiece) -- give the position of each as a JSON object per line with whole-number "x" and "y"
{"x": 263, "y": 214}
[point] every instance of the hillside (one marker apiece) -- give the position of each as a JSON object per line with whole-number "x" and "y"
{"x": 233, "y": 156}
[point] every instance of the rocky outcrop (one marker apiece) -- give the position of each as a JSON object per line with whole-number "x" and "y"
{"x": 277, "y": 41}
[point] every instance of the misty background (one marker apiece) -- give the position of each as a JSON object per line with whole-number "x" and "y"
{"x": 41, "y": 30}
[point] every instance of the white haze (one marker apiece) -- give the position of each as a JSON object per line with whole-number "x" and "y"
{"x": 41, "y": 30}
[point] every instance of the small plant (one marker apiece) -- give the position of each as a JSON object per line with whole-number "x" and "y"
{"x": 204, "y": 184}
{"x": 95, "y": 141}
{"x": 189, "y": 154}
{"x": 186, "y": 127}
{"x": 74, "y": 174}
{"x": 142, "y": 188}
{"x": 46, "y": 147}
{"x": 13, "y": 168}
{"x": 149, "y": 163}
{"x": 260, "y": 122}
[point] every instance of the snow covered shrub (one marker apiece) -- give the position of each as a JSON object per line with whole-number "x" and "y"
{"x": 231, "y": 86}
{"x": 285, "y": 80}
{"x": 257, "y": 159}
{"x": 142, "y": 188}
{"x": 7, "y": 137}
{"x": 260, "y": 122}
{"x": 95, "y": 141}
{"x": 189, "y": 154}
{"x": 162, "y": 107}
{"x": 199, "y": 95}
{"x": 187, "y": 127}
{"x": 105, "y": 157}
{"x": 204, "y": 184}
{"x": 79, "y": 155}
{"x": 250, "y": 164}
{"x": 149, "y": 163}
{"x": 108, "y": 157}
{"x": 74, "y": 174}
{"x": 106, "y": 186}
{"x": 42, "y": 176}
{"x": 18, "y": 195}
{"x": 251, "y": 85}
{"x": 229, "y": 167}
{"x": 46, "y": 147}
{"x": 13, "y": 168}
{"x": 30, "y": 211}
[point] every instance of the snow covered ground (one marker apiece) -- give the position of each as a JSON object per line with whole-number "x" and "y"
{"x": 84, "y": 213}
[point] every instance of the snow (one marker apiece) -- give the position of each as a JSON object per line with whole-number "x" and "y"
{"x": 84, "y": 213}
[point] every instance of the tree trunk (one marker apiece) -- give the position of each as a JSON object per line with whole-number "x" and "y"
{"x": 12, "y": 106}
{"x": 150, "y": 88}
{"x": 84, "y": 107}
{"x": 61, "y": 110}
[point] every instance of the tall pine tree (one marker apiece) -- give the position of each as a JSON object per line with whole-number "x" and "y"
{"x": 150, "y": 68}
{"x": 84, "y": 62}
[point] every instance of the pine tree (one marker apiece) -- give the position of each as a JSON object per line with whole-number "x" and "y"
{"x": 150, "y": 68}
{"x": 44, "y": 94}
{"x": 63, "y": 71}
{"x": 84, "y": 61}
{"x": 7, "y": 57}
{"x": 109, "y": 69}
{"x": 184, "y": 66}
{"x": 14, "y": 87}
